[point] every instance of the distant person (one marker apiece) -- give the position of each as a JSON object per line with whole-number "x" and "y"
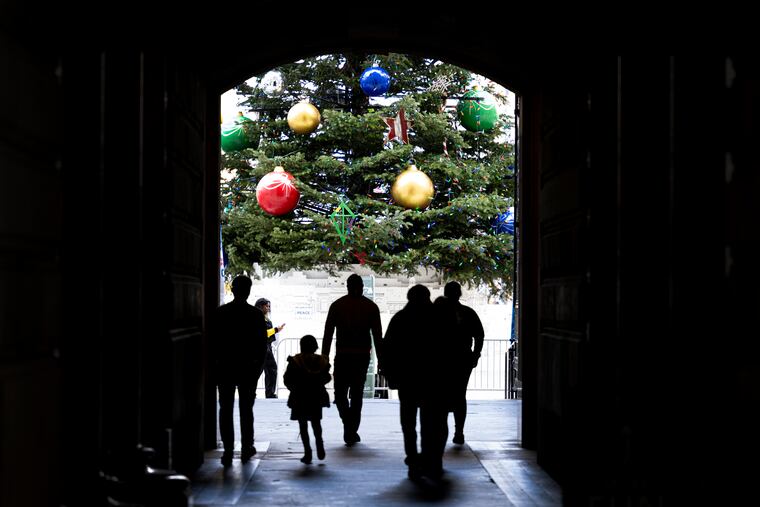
{"x": 468, "y": 344}
{"x": 355, "y": 320}
{"x": 417, "y": 361}
{"x": 270, "y": 364}
{"x": 305, "y": 377}
{"x": 239, "y": 342}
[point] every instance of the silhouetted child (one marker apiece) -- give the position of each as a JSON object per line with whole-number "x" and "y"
{"x": 305, "y": 377}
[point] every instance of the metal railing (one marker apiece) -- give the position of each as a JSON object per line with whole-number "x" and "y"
{"x": 514, "y": 384}
{"x": 490, "y": 375}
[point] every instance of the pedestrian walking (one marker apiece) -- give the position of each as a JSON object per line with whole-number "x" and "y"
{"x": 355, "y": 320}
{"x": 238, "y": 345}
{"x": 305, "y": 377}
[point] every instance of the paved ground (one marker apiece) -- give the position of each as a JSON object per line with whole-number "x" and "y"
{"x": 490, "y": 469}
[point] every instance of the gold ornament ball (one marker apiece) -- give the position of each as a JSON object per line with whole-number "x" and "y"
{"x": 303, "y": 118}
{"x": 413, "y": 189}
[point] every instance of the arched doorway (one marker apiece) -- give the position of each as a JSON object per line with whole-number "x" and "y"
{"x": 597, "y": 422}
{"x": 209, "y": 419}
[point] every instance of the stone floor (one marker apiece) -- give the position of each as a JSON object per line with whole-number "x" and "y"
{"x": 490, "y": 469}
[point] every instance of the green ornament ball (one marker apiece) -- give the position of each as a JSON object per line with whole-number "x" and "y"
{"x": 236, "y": 136}
{"x": 477, "y": 110}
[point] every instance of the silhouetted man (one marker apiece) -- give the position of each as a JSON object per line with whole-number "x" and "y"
{"x": 416, "y": 360}
{"x": 353, "y": 317}
{"x": 467, "y": 343}
{"x": 239, "y": 340}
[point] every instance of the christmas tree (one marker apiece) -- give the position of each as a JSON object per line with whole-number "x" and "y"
{"x": 345, "y": 171}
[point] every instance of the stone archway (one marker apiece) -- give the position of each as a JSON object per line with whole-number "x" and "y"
{"x": 600, "y": 134}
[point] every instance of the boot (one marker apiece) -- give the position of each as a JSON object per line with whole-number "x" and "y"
{"x": 306, "y": 456}
{"x": 247, "y": 454}
{"x": 320, "y": 449}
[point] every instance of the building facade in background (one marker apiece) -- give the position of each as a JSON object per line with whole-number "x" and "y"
{"x": 301, "y": 299}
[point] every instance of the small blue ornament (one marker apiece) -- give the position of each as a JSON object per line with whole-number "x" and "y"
{"x": 505, "y": 222}
{"x": 375, "y": 81}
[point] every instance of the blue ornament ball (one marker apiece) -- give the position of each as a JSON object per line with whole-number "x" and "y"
{"x": 375, "y": 81}
{"x": 504, "y": 223}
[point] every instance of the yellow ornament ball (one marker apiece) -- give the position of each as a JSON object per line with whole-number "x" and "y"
{"x": 413, "y": 189}
{"x": 303, "y": 118}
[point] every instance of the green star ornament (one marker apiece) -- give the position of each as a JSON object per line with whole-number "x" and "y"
{"x": 343, "y": 219}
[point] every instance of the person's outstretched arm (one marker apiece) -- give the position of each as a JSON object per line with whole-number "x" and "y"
{"x": 328, "y": 335}
{"x": 479, "y": 335}
{"x": 377, "y": 332}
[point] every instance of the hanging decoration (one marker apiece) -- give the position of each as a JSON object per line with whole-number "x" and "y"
{"x": 343, "y": 220}
{"x": 235, "y": 135}
{"x": 361, "y": 257}
{"x": 375, "y": 81}
{"x": 477, "y": 110}
{"x": 276, "y": 192}
{"x": 271, "y": 83}
{"x": 303, "y": 118}
{"x": 399, "y": 126}
{"x": 505, "y": 222}
{"x": 413, "y": 189}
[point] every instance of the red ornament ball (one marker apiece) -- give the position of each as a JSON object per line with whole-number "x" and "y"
{"x": 276, "y": 192}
